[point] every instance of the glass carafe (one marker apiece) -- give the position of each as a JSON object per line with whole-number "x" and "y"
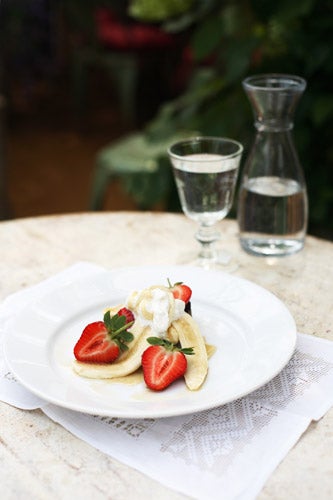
{"x": 272, "y": 205}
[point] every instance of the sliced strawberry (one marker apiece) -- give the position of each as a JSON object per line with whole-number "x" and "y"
{"x": 163, "y": 363}
{"x": 102, "y": 341}
{"x": 94, "y": 345}
{"x": 181, "y": 291}
{"x": 127, "y": 313}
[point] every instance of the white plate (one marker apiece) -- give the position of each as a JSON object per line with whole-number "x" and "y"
{"x": 252, "y": 330}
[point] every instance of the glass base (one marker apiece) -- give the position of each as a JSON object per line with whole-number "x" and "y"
{"x": 271, "y": 247}
{"x": 221, "y": 261}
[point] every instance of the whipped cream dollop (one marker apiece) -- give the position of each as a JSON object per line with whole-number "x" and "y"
{"x": 155, "y": 307}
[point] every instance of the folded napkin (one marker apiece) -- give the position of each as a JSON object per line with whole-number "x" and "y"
{"x": 233, "y": 448}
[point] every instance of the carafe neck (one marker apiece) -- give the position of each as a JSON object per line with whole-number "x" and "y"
{"x": 273, "y": 125}
{"x": 273, "y": 98}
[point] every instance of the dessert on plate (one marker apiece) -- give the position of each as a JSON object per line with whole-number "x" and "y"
{"x": 154, "y": 330}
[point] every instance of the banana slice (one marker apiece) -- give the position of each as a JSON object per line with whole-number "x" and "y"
{"x": 114, "y": 309}
{"x": 197, "y": 364}
{"x": 127, "y": 363}
{"x": 172, "y": 334}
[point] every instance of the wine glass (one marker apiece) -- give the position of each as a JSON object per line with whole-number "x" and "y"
{"x": 205, "y": 171}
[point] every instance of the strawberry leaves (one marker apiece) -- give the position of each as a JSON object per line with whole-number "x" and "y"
{"x": 117, "y": 326}
{"x": 169, "y": 346}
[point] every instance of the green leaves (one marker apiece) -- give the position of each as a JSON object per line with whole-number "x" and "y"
{"x": 207, "y": 37}
{"x": 156, "y": 11}
{"x": 117, "y": 329}
{"x": 158, "y": 341}
{"x": 169, "y": 346}
{"x": 231, "y": 40}
{"x": 323, "y": 109}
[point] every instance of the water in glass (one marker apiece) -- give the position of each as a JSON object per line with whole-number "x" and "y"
{"x": 206, "y": 186}
{"x": 205, "y": 171}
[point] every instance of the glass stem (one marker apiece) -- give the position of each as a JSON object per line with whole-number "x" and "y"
{"x": 207, "y": 236}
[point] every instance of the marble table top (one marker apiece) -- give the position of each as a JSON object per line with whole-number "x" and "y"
{"x": 39, "y": 459}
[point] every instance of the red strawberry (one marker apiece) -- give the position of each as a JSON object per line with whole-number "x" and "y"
{"x": 163, "y": 363}
{"x": 181, "y": 291}
{"x": 127, "y": 313}
{"x": 102, "y": 341}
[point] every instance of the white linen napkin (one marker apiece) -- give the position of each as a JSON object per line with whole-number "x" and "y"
{"x": 227, "y": 449}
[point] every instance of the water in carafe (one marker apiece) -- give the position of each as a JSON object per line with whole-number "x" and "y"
{"x": 272, "y": 205}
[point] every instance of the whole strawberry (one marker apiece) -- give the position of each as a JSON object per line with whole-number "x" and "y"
{"x": 127, "y": 313}
{"x": 103, "y": 341}
{"x": 163, "y": 363}
{"x": 182, "y": 292}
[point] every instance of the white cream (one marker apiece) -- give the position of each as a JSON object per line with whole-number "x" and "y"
{"x": 155, "y": 307}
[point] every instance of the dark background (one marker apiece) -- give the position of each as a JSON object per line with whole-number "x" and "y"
{"x": 52, "y": 130}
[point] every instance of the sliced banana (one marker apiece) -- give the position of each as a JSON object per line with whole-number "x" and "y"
{"x": 113, "y": 310}
{"x": 172, "y": 334}
{"x": 197, "y": 363}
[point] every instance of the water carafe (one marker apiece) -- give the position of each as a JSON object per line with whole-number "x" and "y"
{"x": 272, "y": 205}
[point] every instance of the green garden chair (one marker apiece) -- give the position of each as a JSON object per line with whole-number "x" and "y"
{"x": 142, "y": 165}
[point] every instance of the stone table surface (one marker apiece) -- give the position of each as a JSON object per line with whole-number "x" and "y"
{"x": 40, "y": 459}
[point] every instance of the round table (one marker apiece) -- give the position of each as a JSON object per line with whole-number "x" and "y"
{"x": 40, "y": 459}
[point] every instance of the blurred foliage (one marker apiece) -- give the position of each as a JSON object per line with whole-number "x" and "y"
{"x": 233, "y": 39}
{"x": 150, "y": 10}
{"x": 229, "y": 40}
